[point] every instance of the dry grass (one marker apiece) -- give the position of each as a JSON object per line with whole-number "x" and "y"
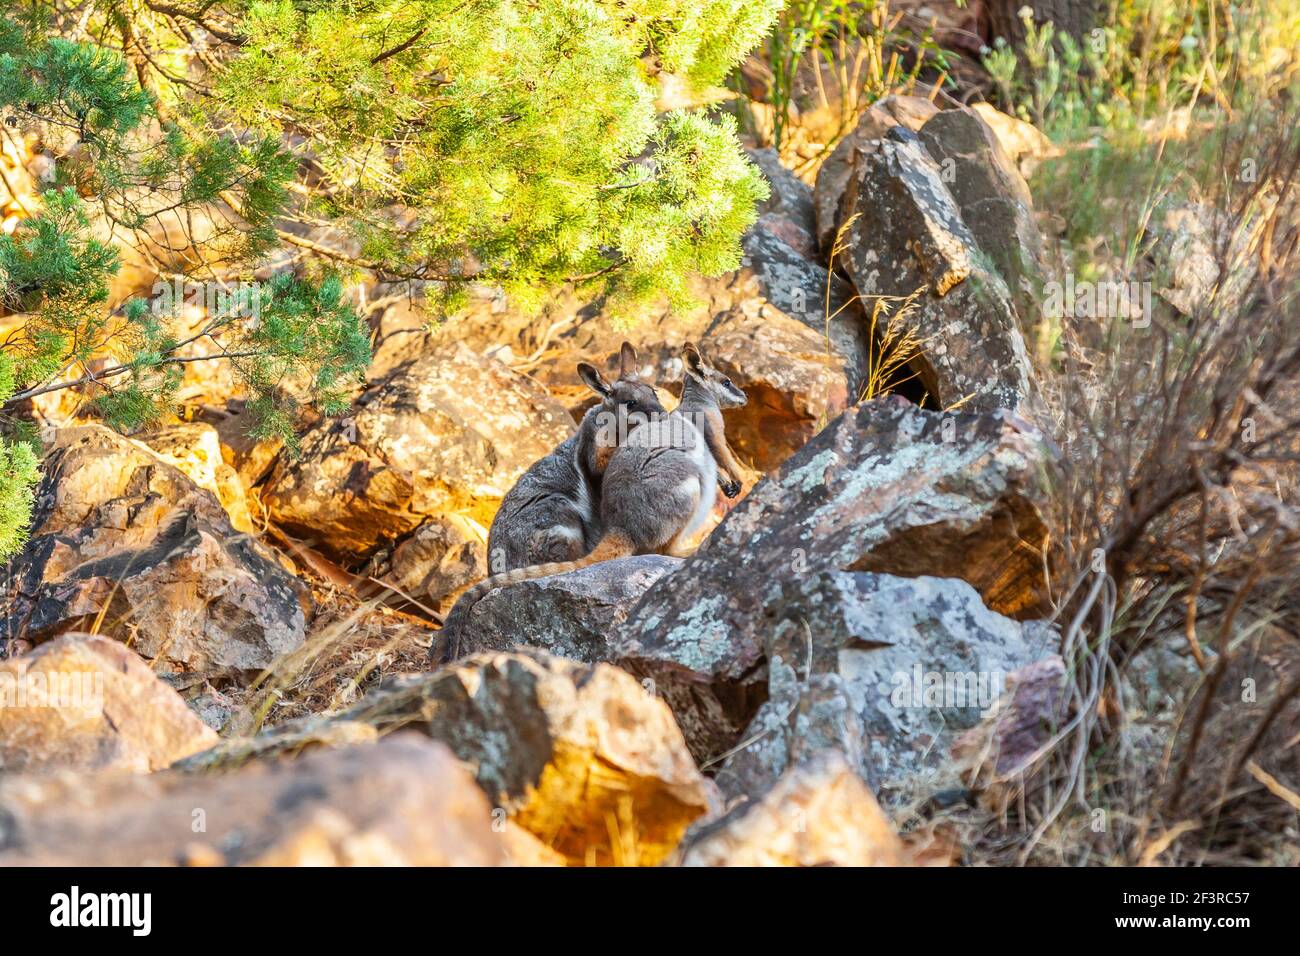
{"x": 893, "y": 342}
{"x": 1179, "y": 536}
{"x": 350, "y": 646}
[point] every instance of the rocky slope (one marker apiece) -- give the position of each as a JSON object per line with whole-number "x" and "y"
{"x": 850, "y": 624}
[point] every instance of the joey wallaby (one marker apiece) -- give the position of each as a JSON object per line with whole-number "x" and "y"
{"x": 659, "y": 486}
{"x": 553, "y": 511}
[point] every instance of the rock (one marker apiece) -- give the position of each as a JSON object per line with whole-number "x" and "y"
{"x": 991, "y": 195}
{"x": 290, "y": 739}
{"x": 448, "y": 433}
{"x": 820, "y": 813}
{"x": 790, "y": 203}
{"x": 195, "y": 448}
{"x": 909, "y": 235}
{"x": 1024, "y": 143}
{"x": 833, "y": 178}
{"x": 442, "y": 558}
{"x": 578, "y": 616}
{"x": 524, "y": 849}
{"x": 1187, "y": 243}
{"x": 570, "y": 614}
{"x": 994, "y": 755}
{"x": 121, "y": 536}
{"x": 251, "y": 458}
{"x": 886, "y": 487}
{"x": 563, "y": 747}
{"x": 88, "y": 703}
{"x": 567, "y": 750}
{"x": 402, "y": 802}
{"x": 898, "y": 665}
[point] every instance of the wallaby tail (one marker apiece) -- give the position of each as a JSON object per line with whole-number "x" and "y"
{"x": 612, "y": 545}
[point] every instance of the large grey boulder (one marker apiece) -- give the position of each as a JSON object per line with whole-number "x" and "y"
{"x": 993, "y": 197}
{"x": 887, "y": 487}
{"x": 572, "y": 614}
{"x": 886, "y": 670}
{"x": 910, "y": 112}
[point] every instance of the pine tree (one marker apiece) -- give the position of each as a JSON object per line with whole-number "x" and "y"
{"x": 456, "y": 142}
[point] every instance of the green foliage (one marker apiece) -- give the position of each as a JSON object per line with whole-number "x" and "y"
{"x": 18, "y": 476}
{"x": 1144, "y": 59}
{"x": 522, "y": 139}
{"x": 303, "y": 331}
{"x": 852, "y": 46}
{"x": 56, "y": 274}
{"x": 74, "y": 85}
{"x": 459, "y": 141}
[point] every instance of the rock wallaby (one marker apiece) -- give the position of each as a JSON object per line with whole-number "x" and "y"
{"x": 659, "y": 486}
{"x": 553, "y": 511}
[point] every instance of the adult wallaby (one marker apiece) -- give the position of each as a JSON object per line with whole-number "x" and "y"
{"x": 553, "y": 511}
{"x": 659, "y": 487}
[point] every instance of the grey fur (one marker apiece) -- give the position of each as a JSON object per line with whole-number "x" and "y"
{"x": 660, "y": 485}
{"x": 552, "y": 512}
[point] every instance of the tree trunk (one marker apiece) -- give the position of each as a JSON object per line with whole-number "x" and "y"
{"x": 1075, "y": 17}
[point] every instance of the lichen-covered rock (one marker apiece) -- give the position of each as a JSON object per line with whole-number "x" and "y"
{"x": 87, "y": 703}
{"x": 405, "y": 801}
{"x": 991, "y": 194}
{"x": 571, "y": 752}
{"x": 790, "y": 204}
{"x": 571, "y": 614}
{"x": 121, "y": 537}
{"x": 447, "y": 433}
{"x": 909, "y": 235}
{"x": 819, "y": 813}
{"x": 833, "y": 178}
{"x": 886, "y": 487}
{"x": 898, "y": 667}
{"x": 791, "y": 199}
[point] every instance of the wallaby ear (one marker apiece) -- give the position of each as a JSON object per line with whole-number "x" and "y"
{"x": 694, "y": 360}
{"x": 627, "y": 362}
{"x": 595, "y": 381}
